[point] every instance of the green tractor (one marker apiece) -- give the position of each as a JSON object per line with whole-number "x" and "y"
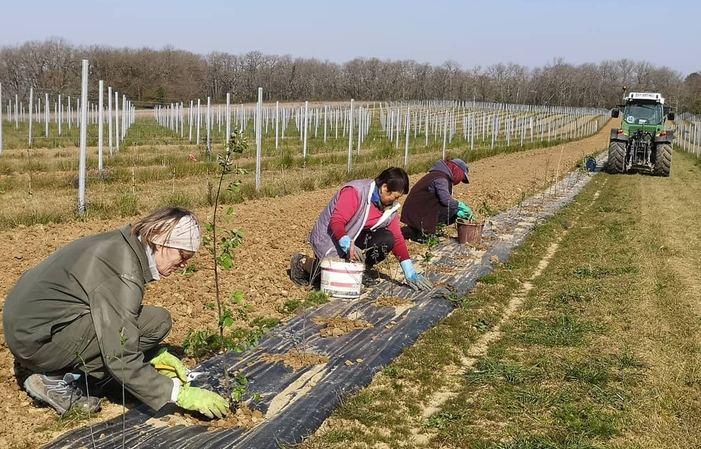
{"x": 641, "y": 143}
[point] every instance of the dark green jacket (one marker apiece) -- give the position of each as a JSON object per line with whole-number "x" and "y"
{"x": 104, "y": 276}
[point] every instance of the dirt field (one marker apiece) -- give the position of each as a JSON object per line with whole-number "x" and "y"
{"x": 274, "y": 229}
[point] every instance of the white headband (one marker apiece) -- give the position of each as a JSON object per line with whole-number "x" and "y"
{"x": 185, "y": 235}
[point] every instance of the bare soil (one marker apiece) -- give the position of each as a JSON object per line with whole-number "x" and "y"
{"x": 274, "y": 228}
{"x": 338, "y": 325}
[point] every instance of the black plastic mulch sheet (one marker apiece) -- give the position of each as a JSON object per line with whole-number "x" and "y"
{"x": 295, "y": 403}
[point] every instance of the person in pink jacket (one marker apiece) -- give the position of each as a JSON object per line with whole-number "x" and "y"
{"x": 360, "y": 223}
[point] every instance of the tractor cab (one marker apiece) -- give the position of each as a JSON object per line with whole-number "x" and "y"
{"x": 643, "y": 111}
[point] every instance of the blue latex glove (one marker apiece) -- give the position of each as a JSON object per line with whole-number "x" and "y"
{"x": 358, "y": 254}
{"x": 464, "y": 212}
{"x": 414, "y": 279}
{"x": 345, "y": 244}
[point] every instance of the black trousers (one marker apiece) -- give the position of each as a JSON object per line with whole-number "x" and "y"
{"x": 377, "y": 245}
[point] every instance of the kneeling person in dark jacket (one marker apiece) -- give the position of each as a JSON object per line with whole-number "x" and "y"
{"x": 430, "y": 202}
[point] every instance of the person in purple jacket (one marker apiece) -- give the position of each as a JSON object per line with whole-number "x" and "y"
{"x": 430, "y": 202}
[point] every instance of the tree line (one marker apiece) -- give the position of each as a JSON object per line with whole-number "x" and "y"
{"x": 149, "y": 77}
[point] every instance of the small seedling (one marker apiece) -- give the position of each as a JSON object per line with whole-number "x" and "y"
{"x": 240, "y": 390}
{"x": 484, "y": 210}
{"x": 432, "y": 240}
{"x": 392, "y": 372}
{"x": 441, "y": 420}
{"x": 481, "y": 325}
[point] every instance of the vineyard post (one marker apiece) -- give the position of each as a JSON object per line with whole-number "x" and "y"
{"x": 277, "y": 125}
{"x": 124, "y": 117}
{"x": 116, "y": 120}
{"x": 1, "y": 117}
{"x": 399, "y": 122}
{"x": 350, "y": 138}
{"x": 59, "y": 116}
{"x": 445, "y": 131}
{"x": 259, "y": 137}
{"x": 406, "y": 140}
{"x": 46, "y": 114}
{"x": 31, "y": 99}
{"x": 100, "y": 128}
{"x": 208, "y": 124}
{"x": 83, "y": 137}
{"x": 199, "y": 122}
{"x": 305, "y": 124}
{"x": 109, "y": 118}
{"x": 360, "y": 127}
{"x": 426, "y": 130}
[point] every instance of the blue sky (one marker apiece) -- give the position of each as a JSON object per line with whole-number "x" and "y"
{"x": 526, "y": 32}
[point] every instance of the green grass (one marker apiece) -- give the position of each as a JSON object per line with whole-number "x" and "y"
{"x": 602, "y": 353}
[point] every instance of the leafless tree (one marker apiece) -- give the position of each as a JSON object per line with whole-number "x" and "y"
{"x": 169, "y": 75}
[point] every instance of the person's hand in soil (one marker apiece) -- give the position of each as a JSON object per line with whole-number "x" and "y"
{"x": 414, "y": 279}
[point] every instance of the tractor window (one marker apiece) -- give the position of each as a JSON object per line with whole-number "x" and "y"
{"x": 641, "y": 114}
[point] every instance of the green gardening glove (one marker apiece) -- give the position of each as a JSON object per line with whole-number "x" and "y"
{"x": 204, "y": 401}
{"x": 465, "y": 212}
{"x": 163, "y": 357}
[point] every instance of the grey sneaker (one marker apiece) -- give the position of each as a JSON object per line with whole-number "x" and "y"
{"x": 60, "y": 392}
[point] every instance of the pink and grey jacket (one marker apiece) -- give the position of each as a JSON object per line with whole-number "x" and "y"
{"x": 349, "y": 212}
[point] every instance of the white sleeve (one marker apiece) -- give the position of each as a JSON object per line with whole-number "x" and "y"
{"x": 176, "y": 390}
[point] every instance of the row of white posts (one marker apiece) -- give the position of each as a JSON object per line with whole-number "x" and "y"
{"x": 521, "y": 123}
{"x": 688, "y": 135}
{"x": 82, "y": 120}
{"x": 481, "y": 120}
{"x": 577, "y": 123}
{"x": 118, "y": 120}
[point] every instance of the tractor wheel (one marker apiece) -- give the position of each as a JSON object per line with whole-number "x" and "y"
{"x": 617, "y": 158}
{"x": 663, "y": 160}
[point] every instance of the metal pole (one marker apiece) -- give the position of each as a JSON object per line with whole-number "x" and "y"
{"x": 228, "y": 117}
{"x": 445, "y": 131}
{"x": 100, "y": 127}
{"x": 277, "y": 119}
{"x": 83, "y": 137}
{"x": 124, "y": 116}
{"x": 1, "y": 118}
{"x": 31, "y": 99}
{"x": 109, "y": 118}
{"x": 208, "y": 124}
{"x": 190, "y": 119}
{"x": 306, "y": 125}
{"x": 199, "y": 122}
{"x": 406, "y": 142}
{"x": 46, "y": 115}
{"x": 116, "y": 119}
{"x": 259, "y": 131}
{"x": 350, "y": 138}
{"x": 59, "y": 116}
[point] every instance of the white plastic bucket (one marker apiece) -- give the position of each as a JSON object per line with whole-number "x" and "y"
{"x": 341, "y": 279}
